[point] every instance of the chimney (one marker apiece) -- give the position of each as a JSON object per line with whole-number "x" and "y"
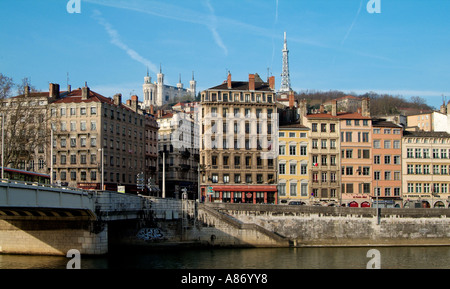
{"x": 334, "y": 107}
{"x": 69, "y": 88}
{"x": 251, "y": 82}
{"x": 322, "y": 108}
{"x": 152, "y": 109}
{"x": 85, "y": 93}
{"x": 118, "y": 99}
{"x": 291, "y": 99}
{"x": 53, "y": 91}
{"x": 134, "y": 102}
{"x": 229, "y": 81}
{"x": 272, "y": 82}
{"x": 365, "y": 107}
{"x": 27, "y": 90}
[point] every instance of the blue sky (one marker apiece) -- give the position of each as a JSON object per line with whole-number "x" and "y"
{"x": 334, "y": 45}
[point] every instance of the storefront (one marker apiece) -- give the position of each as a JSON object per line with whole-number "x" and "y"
{"x": 240, "y": 194}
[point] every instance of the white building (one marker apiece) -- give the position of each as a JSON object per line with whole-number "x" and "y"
{"x": 158, "y": 93}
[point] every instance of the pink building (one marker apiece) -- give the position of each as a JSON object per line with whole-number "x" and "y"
{"x": 356, "y": 159}
{"x": 387, "y": 163}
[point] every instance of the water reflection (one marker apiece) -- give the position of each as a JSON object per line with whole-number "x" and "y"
{"x": 283, "y": 258}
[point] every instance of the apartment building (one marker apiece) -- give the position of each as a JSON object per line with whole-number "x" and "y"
{"x": 356, "y": 156}
{"x": 387, "y": 163}
{"x": 26, "y": 133}
{"x": 238, "y": 148}
{"x": 324, "y": 156}
{"x": 96, "y": 140}
{"x": 178, "y": 140}
{"x": 426, "y": 169}
{"x": 293, "y": 164}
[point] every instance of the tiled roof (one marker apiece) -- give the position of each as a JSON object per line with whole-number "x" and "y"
{"x": 242, "y": 85}
{"x": 426, "y": 134}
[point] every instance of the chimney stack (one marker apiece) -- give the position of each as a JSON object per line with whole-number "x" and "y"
{"x": 134, "y": 103}
{"x": 53, "y": 91}
{"x": 251, "y": 82}
{"x": 291, "y": 99}
{"x": 272, "y": 82}
{"x": 27, "y": 90}
{"x": 118, "y": 99}
{"x": 229, "y": 81}
{"x": 69, "y": 88}
{"x": 334, "y": 107}
{"x": 365, "y": 107}
{"x": 152, "y": 109}
{"x": 85, "y": 93}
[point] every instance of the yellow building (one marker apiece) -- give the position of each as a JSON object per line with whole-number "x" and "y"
{"x": 293, "y": 164}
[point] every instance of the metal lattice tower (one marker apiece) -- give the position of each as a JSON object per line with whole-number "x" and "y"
{"x": 285, "y": 78}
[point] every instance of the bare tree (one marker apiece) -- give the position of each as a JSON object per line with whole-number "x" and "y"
{"x": 6, "y": 86}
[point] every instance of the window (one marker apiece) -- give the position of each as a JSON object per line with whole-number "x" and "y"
{"x": 293, "y": 190}
{"x": 348, "y": 136}
{"x": 304, "y": 190}
{"x": 376, "y": 144}
{"x": 387, "y": 144}
{"x": 292, "y": 169}
{"x": 237, "y": 178}
{"x": 292, "y": 150}
{"x": 226, "y": 179}
{"x": 323, "y": 127}
{"x": 332, "y": 127}
{"x": 314, "y": 127}
{"x": 282, "y": 190}
{"x": 282, "y": 150}
{"x": 282, "y": 169}
{"x": 303, "y": 150}
{"x": 387, "y": 160}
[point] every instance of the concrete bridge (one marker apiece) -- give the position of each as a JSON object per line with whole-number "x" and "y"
{"x": 50, "y": 220}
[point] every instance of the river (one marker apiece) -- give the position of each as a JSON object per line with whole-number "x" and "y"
{"x": 259, "y": 258}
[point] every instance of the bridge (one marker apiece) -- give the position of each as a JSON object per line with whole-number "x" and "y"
{"x": 51, "y": 220}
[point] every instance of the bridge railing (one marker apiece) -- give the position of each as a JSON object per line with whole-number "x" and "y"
{"x": 48, "y": 186}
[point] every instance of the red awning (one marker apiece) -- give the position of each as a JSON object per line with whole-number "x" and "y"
{"x": 244, "y": 188}
{"x": 353, "y": 205}
{"x": 365, "y": 205}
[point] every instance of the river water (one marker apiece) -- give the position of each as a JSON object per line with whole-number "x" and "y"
{"x": 212, "y": 258}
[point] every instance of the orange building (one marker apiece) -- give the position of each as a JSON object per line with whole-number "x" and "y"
{"x": 387, "y": 163}
{"x": 356, "y": 159}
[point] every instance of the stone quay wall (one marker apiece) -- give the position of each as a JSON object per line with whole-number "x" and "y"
{"x": 339, "y": 226}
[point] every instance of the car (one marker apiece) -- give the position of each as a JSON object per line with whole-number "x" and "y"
{"x": 296, "y": 203}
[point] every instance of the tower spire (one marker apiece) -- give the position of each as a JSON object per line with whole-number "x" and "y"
{"x": 285, "y": 77}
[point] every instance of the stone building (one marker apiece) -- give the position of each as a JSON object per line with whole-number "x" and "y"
{"x": 426, "y": 169}
{"x": 238, "y": 141}
{"x": 97, "y": 140}
{"x": 26, "y": 133}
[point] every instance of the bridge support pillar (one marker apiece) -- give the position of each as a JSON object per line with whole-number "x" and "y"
{"x": 51, "y": 237}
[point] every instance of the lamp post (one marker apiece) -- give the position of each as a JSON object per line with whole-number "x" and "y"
{"x": 51, "y": 154}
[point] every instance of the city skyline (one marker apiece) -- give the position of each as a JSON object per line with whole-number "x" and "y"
{"x": 333, "y": 45}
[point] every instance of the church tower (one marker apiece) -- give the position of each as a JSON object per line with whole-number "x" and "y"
{"x": 193, "y": 86}
{"x": 285, "y": 77}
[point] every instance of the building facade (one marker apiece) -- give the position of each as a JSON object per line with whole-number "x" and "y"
{"x": 356, "y": 158}
{"x": 387, "y": 163}
{"x": 238, "y": 143}
{"x": 426, "y": 169}
{"x": 179, "y": 142}
{"x": 293, "y": 164}
{"x": 324, "y": 157}
{"x": 97, "y": 141}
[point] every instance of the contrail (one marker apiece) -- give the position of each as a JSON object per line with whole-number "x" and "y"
{"x": 115, "y": 39}
{"x": 212, "y": 26}
{"x": 353, "y": 23}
